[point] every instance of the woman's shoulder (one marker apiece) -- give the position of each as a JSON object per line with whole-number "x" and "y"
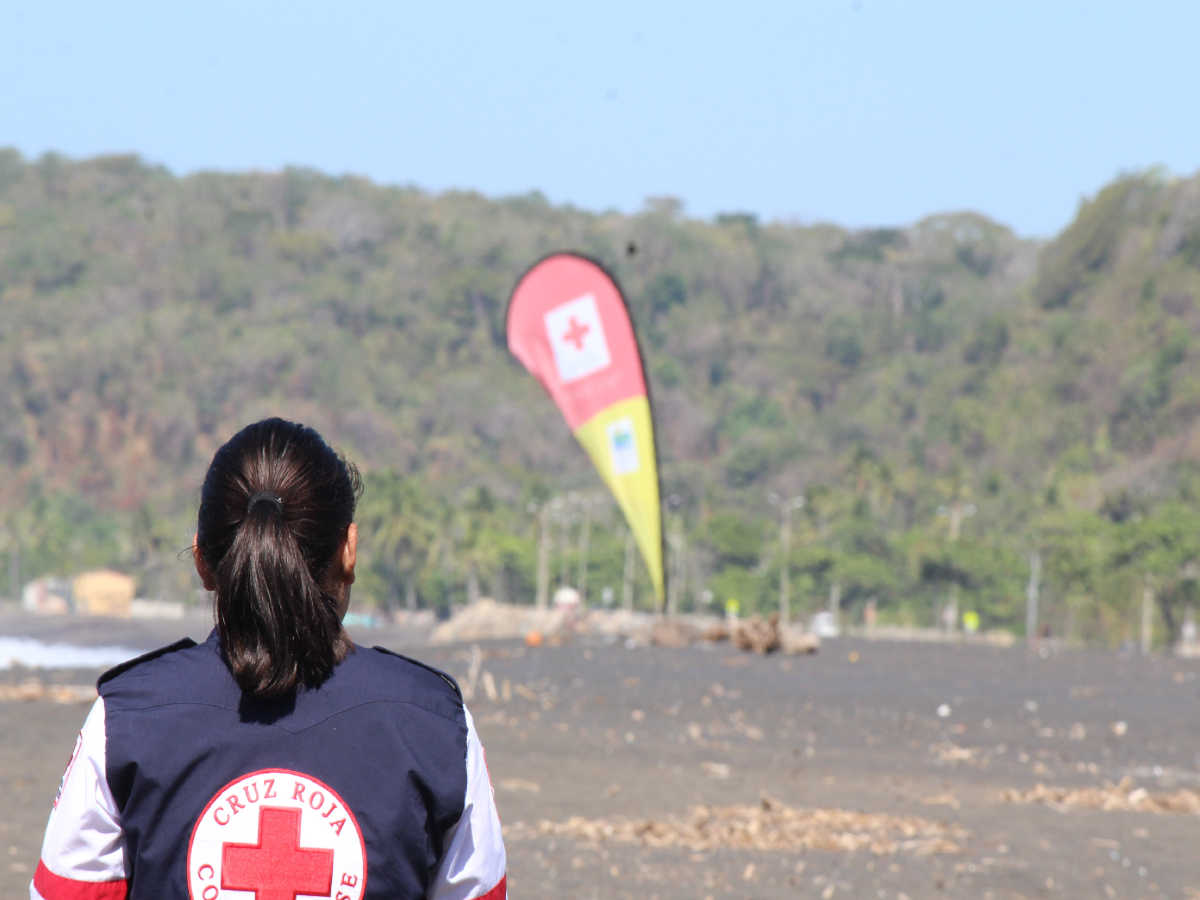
{"x": 145, "y": 659}
{"x": 372, "y": 675}
{"x": 406, "y": 669}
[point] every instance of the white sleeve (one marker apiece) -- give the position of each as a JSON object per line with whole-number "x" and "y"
{"x": 83, "y": 853}
{"x": 474, "y": 863}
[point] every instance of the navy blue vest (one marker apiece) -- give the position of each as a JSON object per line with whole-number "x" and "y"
{"x": 384, "y": 732}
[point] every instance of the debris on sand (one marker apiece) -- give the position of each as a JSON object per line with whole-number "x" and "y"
{"x": 1120, "y": 797}
{"x": 763, "y": 635}
{"x": 488, "y": 620}
{"x": 754, "y": 633}
{"x": 944, "y": 799}
{"x": 767, "y": 825}
{"x": 32, "y": 690}
{"x": 757, "y": 635}
{"x": 519, "y": 784}
{"x": 674, "y": 633}
{"x": 946, "y": 752}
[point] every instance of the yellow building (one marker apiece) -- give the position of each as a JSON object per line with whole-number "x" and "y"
{"x": 103, "y": 592}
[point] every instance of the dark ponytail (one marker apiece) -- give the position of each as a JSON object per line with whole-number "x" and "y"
{"x": 274, "y": 512}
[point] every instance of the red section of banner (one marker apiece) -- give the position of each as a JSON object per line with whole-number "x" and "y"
{"x": 568, "y": 325}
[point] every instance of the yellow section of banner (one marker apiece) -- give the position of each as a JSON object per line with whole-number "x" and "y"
{"x": 620, "y": 441}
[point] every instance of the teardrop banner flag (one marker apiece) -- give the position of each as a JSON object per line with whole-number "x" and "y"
{"x": 569, "y": 326}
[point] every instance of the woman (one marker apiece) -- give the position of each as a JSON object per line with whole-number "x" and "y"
{"x": 277, "y": 759}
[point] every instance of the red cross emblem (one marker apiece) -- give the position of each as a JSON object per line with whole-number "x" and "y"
{"x": 276, "y": 834}
{"x": 277, "y": 867}
{"x": 576, "y": 333}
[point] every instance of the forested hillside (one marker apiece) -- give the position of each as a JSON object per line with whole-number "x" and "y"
{"x": 947, "y": 398}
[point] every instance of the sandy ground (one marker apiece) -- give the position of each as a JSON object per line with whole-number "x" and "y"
{"x": 872, "y": 769}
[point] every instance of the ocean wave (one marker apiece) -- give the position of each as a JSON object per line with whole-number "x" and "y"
{"x": 30, "y": 652}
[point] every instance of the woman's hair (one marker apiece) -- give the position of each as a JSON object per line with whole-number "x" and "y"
{"x": 274, "y": 511}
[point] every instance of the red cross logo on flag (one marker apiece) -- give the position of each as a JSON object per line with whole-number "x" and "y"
{"x": 577, "y": 338}
{"x": 276, "y": 835}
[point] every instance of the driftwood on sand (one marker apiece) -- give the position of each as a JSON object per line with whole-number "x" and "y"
{"x": 754, "y": 634}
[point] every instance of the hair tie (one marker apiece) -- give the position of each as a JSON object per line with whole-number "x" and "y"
{"x": 269, "y": 496}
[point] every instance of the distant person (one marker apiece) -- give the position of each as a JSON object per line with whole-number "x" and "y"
{"x": 970, "y": 621}
{"x": 277, "y": 759}
{"x": 950, "y": 616}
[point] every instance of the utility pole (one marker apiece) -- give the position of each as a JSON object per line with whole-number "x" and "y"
{"x": 543, "y": 561}
{"x": 677, "y": 571}
{"x": 785, "y": 538}
{"x": 674, "y": 561}
{"x": 785, "y": 541}
{"x": 673, "y": 571}
{"x": 564, "y": 547}
{"x": 584, "y": 538}
{"x": 627, "y": 582}
{"x": 1031, "y": 598}
{"x": 1147, "y": 616}
{"x": 1032, "y": 592}
{"x": 681, "y": 571}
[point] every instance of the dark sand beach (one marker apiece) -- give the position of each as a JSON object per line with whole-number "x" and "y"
{"x": 872, "y": 769}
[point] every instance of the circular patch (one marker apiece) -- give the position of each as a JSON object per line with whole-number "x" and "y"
{"x": 276, "y": 835}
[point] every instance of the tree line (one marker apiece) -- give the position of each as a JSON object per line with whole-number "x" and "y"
{"x": 895, "y": 416}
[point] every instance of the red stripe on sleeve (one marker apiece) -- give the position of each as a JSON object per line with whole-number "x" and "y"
{"x": 499, "y": 892}
{"x": 55, "y": 887}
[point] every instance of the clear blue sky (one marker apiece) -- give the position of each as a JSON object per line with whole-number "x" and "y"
{"x": 860, "y": 112}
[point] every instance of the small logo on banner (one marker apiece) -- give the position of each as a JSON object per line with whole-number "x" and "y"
{"x": 577, "y": 338}
{"x": 622, "y": 445}
{"x": 276, "y": 835}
